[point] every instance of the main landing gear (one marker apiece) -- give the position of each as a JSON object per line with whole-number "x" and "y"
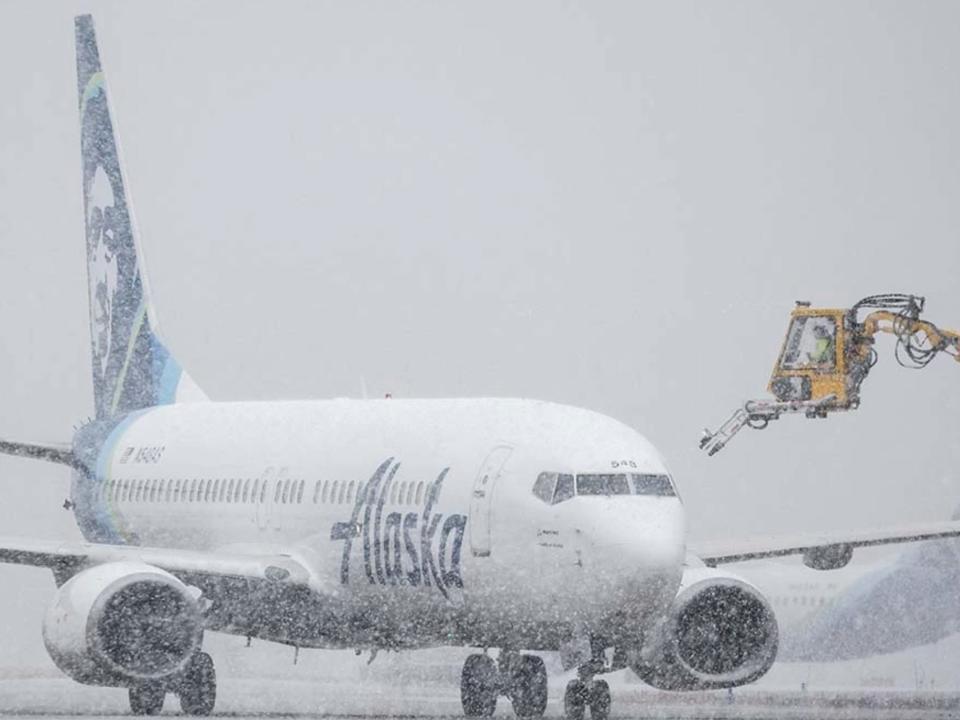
{"x": 588, "y": 692}
{"x": 522, "y": 678}
{"x": 196, "y": 686}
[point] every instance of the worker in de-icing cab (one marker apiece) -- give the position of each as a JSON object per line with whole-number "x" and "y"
{"x": 823, "y": 348}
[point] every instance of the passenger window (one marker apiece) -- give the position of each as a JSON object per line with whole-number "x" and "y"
{"x": 208, "y": 490}
{"x": 564, "y": 489}
{"x": 544, "y": 486}
{"x": 245, "y": 495}
{"x": 326, "y": 488}
{"x": 231, "y": 484}
{"x": 316, "y": 492}
{"x": 333, "y": 491}
{"x": 393, "y": 494}
{"x": 137, "y": 489}
{"x": 286, "y": 495}
{"x": 176, "y": 491}
{"x": 343, "y": 489}
{"x": 300, "y": 493}
{"x": 193, "y": 491}
{"x": 263, "y": 490}
{"x": 276, "y": 493}
{"x": 419, "y": 493}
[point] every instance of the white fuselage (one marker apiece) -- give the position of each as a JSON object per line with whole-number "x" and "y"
{"x": 421, "y": 512}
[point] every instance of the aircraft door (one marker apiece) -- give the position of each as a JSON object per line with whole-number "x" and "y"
{"x": 481, "y": 499}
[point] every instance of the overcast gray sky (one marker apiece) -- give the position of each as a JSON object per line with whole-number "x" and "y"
{"x": 612, "y": 205}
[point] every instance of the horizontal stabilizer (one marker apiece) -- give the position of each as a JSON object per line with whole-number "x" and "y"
{"x": 51, "y": 452}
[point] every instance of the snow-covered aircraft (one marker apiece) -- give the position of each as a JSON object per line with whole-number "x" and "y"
{"x": 489, "y": 523}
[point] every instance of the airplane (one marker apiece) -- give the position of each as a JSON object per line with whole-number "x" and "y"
{"x": 508, "y": 524}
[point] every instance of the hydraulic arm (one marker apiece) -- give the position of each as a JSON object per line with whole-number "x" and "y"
{"x": 827, "y": 354}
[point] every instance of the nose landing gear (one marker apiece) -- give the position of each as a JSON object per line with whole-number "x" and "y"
{"x": 522, "y": 678}
{"x": 586, "y": 691}
{"x": 582, "y": 694}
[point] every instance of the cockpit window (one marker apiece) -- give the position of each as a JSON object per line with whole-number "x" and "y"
{"x": 543, "y": 487}
{"x": 564, "y": 489}
{"x": 653, "y": 485}
{"x": 606, "y": 484}
{"x": 553, "y": 488}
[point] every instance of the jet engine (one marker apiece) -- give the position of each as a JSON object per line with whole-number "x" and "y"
{"x": 123, "y": 623}
{"x": 720, "y": 632}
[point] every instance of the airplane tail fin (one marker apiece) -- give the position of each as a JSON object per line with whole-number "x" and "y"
{"x": 132, "y": 367}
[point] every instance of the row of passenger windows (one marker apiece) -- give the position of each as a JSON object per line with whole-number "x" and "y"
{"x": 802, "y": 600}
{"x": 554, "y": 488}
{"x": 249, "y": 491}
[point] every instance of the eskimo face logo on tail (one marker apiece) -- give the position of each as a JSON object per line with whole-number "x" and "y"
{"x": 102, "y": 263}
{"x": 402, "y": 549}
{"x": 116, "y": 293}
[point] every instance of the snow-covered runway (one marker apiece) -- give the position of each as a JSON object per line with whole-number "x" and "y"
{"x": 55, "y": 697}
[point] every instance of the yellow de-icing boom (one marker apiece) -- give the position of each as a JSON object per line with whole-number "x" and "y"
{"x": 827, "y": 354}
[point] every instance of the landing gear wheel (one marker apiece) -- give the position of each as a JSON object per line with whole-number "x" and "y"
{"x": 146, "y": 699}
{"x": 599, "y": 697}
{"x": 529, "y": 687}
{"x": 575, "y": 700}
{"x": 478, "y": 686}
{"x": 198, "y": 688}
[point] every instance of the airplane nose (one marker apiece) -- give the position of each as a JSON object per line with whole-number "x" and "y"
{"x": 633, "y": 538}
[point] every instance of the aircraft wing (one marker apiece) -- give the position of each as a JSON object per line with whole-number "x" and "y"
{"x": 719, "y": 552}
{"x": 192, "y": 566}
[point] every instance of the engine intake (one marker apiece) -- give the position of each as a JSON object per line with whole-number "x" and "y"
{"x": 123, "y": 623}
{"x": 720, "y": 632}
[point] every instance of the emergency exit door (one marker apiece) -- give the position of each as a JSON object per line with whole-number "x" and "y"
{"x": 482, "y": 497}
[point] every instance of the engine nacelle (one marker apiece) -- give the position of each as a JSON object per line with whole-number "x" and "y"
{"x": 720, "y": 632}
{"x": 122, "y": 623}
{"x": 828, "y": 557}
